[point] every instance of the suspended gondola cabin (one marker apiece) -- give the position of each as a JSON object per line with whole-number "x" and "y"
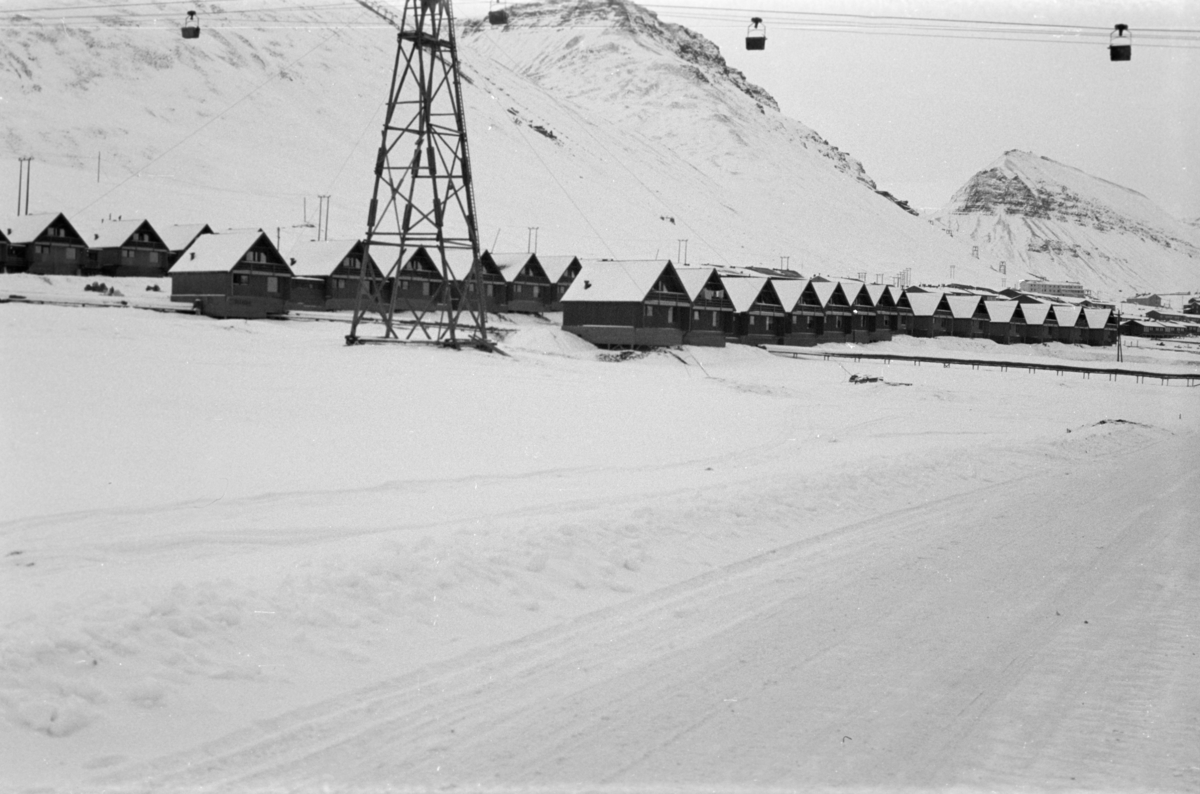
{"x": 191, "y": 26}
{"x": 756, "y": 34}
{"x": 1120, "y": 44}
{"x": 498, "y": 14}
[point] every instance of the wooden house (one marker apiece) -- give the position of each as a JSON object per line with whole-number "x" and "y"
{"x": 999, "y": 327}
{"x": 902, "y": 320}
{"x": 807, "y": 319}
{"x": 969, "y": 318}
{"x": 789, "y": 290}
{"x": 758, "y": 318}
{"x": 326, "y": 274}
{"x": 1066, "y": 323}
{"x": 45, "y": 244}
{"x": 127, "y": 248}
{"x": 627, "y": 303}
{"x": 561, "y": 270}
{"x": 712, "y": 313}
{"x": 178, "y": 236}
{"x": 1101, "y": 326}
{"x": 421, "y": 286}
{"x": 862, "y": 320}
{"x": 1030, "y": 321}
{"x": 525, "y": 285}
{"x": 237, "y": 274}
{"x": 883, "y": 304}
{"x": 931, "y": 313}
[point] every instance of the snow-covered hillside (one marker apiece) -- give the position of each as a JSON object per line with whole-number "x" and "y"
{"x": 613, "y": 133}
{"x": 1047, "y": 219}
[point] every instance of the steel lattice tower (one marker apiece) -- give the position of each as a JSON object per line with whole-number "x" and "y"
{"x": 423, "y": 197}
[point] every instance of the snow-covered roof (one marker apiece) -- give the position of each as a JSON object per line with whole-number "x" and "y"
{"x": 110, "y": 234}
{"x": 510, "y": 265}
{"x": 824, "y": 290}
{"x": 924, "y": 304}
{"x": 789, "y": 291}
{"x": 319, "y": 258}
{"x": 744, "y": 290}
{"x": 851, "y": 288}
{"x": 1035, "y": 313}
{"x": 1066, "y": 316}
{"x": 876, "y": 292}
{"x": 179, "y": 236}
{"x": 1096, "y": 318}
{"x": 555, "y": 265}
{"x": 1000, "y": 311}
{"x": 615, "y": 281}
{"x": 694, "y": 279}
{"x": 217, "y": 253}
{"x": 963, "y": 307}
{"x": 24, "y": 229}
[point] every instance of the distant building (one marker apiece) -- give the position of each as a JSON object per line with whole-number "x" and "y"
{"x": 179, "y": 236}
{"x": 1145, "y": 300}
{"x": 327, "y": 274}
{"x": 1064, "y": 289}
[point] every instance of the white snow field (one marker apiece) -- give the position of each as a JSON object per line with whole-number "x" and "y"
{"x": 243, "y": 556}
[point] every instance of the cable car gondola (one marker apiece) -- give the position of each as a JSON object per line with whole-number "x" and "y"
{"x": 191, "y": 26}
{"x": 498, "y": 15}
{"x": 1120, "y": 45}
{"x": 756, "y": 37}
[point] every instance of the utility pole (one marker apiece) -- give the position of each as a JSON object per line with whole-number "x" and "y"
{"x": 322, "y": 215}
{"x": 97, "y": 168}
{"x": 423, "y": 196}
{"x": 681, "y": 250}
{"x": 783, "y": 262}
{"x": 531, "y": 239}
{"x": 26, "y": 168}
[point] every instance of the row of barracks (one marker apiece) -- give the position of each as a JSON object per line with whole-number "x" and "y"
{"x": 652, "y": 303}
{"x": 242, "y": 274}
{"x": 49, "y": 244}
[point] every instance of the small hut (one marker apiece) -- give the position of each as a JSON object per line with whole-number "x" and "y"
{"x": 237, "y": 274}
{"x": 884, "y": 307}
{"x": 1030, "y": 322}
{"x": 527, "y": 288}
{"x": 1066, "y": 323}
{"x": 712, "y": 312}
{"x": 327, "y": 274}
{"x": 968, "y": 315}
{"x": 999, "y": 327}
{"x": 44, "y": 243}
{"x": 127, "y": 248}
{"x": 759, "y": 318}
{"x": 862, "y": 320}
{"x": 931, "y": 313}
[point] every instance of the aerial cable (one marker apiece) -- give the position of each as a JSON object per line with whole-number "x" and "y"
{"x": 197, "y": 130}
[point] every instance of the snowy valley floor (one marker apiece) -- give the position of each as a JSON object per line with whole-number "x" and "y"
{"x": 240, "y": 555}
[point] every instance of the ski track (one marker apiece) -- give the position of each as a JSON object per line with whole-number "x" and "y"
{"x": 941, "y": 645}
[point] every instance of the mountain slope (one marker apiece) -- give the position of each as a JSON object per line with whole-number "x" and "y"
{"x": 1045, "y": 218}
{"x": 613, "y": 133}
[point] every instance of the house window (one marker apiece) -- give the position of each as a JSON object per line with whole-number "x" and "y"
{"x": 340, "y": 282}
{"x": 649, "y": 311}
{"x": 256, "y": 256}
{"x": 272, "y": 284}
{"x": 353, "y": 264}
{"x": 126, "y": 253}
{"x": 154, "y": 257}
{"x": 715, "y": 315}
{"x": 490, "y": 290}
{"x": 695, "y": 317}
{"x": 425, "y": 288}
{"x": 537, "y": 291}
{"x": 768, "y": 323}
{"x": 55, "y": 231}
{"x": 70, "y": 253}
{"x": 752, "y": 319}
{"x": 670, "y": 314}
{"x": 241, "y": 278}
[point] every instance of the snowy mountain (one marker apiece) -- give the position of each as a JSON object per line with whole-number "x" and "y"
{"x": 611, "y": 132}
{"x": 1043, "y": 218}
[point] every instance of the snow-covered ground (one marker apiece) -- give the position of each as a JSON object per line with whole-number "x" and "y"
{"x": 243, "y": 554}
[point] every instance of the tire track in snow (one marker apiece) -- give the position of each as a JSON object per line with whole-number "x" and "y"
{"x": 562, "y": 705}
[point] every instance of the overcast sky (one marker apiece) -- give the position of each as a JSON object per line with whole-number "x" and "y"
{"x": 924, "y": 113}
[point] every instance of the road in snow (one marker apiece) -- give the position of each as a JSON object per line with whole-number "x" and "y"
{"x": 1035, "y": 632}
